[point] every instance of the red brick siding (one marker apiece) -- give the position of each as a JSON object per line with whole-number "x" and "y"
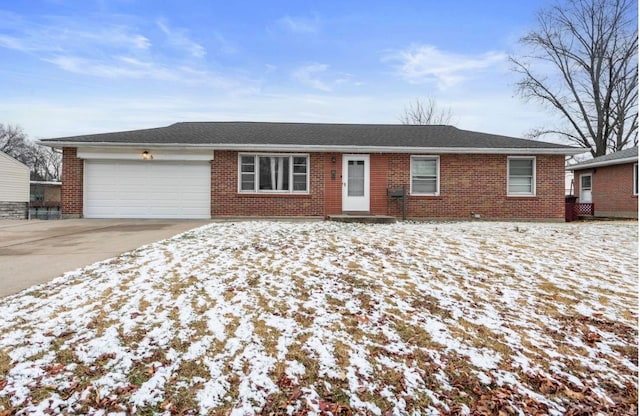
{"x": 72, "y": 177}
{"x": 227, "y": 201}
{"x": 611, "y": 189}
{"x": 379, "y": 182}
{"x": 478, "y": 183}
{"x": 332, "y": 186}
{"x": 468, "y": 183}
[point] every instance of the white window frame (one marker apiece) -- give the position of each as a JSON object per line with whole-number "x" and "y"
{"x": 587, "y": 175}
{"x": 256, "y": 173}
{"x": 635, "y": 179}
{"x": 533, "y": 178}
{"x": 437, "y": 159}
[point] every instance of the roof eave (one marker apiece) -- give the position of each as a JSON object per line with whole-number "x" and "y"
{"x": 327, "y": 148}
{"x": 59, "y": 144}
{"x": 395, "y": 149}
{"x": 586, "y": 165}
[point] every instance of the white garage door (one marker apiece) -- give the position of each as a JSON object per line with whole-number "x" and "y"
{"x": 146, "y": 189}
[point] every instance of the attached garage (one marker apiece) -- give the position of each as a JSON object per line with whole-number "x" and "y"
{"x": 147, "y": 189}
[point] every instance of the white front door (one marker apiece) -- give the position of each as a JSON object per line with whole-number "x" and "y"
{"x": 355, "y": 183}
{"x": 585, "y": 188}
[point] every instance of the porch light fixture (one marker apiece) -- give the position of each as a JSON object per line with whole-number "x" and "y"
{"x": 147, "y": 156}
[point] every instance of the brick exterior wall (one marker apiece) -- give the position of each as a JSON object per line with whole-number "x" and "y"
{"x": 478, "y": 183}
{"x": 379, "y": 180}
{"x": 611, "y": 190}
{"x": 72, "y": 178}
{"x": 226, "y": 201}
{"x": 468, "y": 183}
{"x": 332, "y": 184}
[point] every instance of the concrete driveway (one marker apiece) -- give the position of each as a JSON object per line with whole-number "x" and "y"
{"x": 34, "y": 252}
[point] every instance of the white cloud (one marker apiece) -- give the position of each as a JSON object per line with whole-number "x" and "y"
{"x": 117, "y": 51}
{"x": 300, "y": 24}
{"x": 113, "y": 36}
{"x": 317, "y": 76}
{"x": 179, "y": 39}
{"x": 134, "y": 68}
{"x": 120, "y": 67}
{"x": 57, "y": 38}
{"x": 426, "y": 63}
{"x": 308, "y": 75}
{"x": 11, "y": 42}
{"x": 140, "y": 42}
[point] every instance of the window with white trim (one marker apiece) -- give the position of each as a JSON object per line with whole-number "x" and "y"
{"x": 635, "y": 179}
{"x": 521, "y": 176}
{"x": 273, "y": 173}
{"x": 425, "y": 175}
{"x": 585, "y": 183}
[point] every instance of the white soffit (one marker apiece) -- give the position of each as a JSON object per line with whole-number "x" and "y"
{"x": 137, "y": 153}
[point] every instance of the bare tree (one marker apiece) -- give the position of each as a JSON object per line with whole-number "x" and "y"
{"x": 425, "y": 112}
{"x": 44, "y": 162}
{"x": 583, "y": 62}
{"x": 13, "y": 142}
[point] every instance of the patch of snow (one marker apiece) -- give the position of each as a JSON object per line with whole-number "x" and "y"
{"x": 357, "y": 300}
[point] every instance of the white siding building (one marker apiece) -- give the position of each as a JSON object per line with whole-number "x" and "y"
{"x": 14, "y": 188}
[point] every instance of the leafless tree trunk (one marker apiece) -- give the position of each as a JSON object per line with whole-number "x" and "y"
{"x": 583, "y": 62}
{"x": 425, "y": 113}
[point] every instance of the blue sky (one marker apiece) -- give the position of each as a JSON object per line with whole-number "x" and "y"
{"x": 77, "y": 67}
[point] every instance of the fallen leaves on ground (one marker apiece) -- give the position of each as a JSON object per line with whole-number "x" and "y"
{"x": 325, "y": 318}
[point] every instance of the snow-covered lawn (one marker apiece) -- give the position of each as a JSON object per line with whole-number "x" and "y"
{"x": 310, "y": 318}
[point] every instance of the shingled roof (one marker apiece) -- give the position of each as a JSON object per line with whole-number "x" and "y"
{"x": 312, "y": 136}
{"x": 629, "y": 155}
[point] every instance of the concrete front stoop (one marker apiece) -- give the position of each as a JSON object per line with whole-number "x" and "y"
{"x": 363, "y": 218}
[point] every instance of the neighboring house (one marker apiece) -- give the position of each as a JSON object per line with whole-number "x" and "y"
{"x": 215, "y": 169}
{"x": 14, "y": 188}
{"x": 610, "y": 183}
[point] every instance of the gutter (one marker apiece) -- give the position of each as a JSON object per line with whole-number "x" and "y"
{"x": 244, "y": 147}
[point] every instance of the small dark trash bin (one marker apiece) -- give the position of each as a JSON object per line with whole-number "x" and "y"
{"x": 569, "y": 208}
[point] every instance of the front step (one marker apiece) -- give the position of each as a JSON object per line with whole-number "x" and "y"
{"x": 365, "y": 219}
